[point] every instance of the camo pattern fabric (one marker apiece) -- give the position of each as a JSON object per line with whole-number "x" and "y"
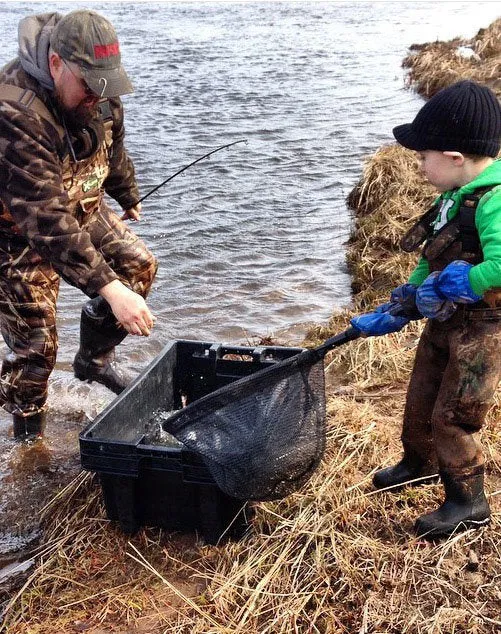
{"x": 53, "y": 222}
{"x": 62, "y": 195}
{"x": 28, "y": 292}
{"x": 456, "y": 372}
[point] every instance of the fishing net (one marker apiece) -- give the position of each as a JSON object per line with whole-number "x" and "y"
{"x": 262, "y": 436}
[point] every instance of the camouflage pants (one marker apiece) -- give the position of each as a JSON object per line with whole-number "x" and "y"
{"x": 456, "y": 372}
{"x": 29, "y": 288}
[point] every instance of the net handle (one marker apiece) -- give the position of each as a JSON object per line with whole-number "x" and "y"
{"x": 338, "y": 340}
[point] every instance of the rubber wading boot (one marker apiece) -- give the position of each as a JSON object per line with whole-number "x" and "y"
{"x": 465, "y": 507}
{"x": 29, "y": 427}
{"x": 99, "y": 334}
{"x": 409, "y": 468}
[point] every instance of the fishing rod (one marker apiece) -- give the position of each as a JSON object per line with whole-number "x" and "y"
{"x": 187, "y": 166}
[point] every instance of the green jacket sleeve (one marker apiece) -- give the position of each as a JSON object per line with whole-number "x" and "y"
{"x": 420, "y": 273}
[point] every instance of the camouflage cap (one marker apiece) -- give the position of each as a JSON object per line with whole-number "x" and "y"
{"x": 90, "y": 41}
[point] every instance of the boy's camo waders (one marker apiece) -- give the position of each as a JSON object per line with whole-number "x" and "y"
{"x": 456, "y": 372}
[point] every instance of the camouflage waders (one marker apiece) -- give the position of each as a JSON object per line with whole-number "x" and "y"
{"x": 456, "y": 372}
{"x": 29, "y": 289}
{"x": 99, "y": 332}
{"x": 53, "y": 223}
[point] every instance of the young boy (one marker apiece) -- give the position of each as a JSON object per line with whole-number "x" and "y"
{"x": 457, "y": 135}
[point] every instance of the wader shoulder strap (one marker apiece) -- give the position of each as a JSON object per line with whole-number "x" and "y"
{"x": 469, "y": 235}
{"x": 420, "y": 231}
{"x": 29, "y": 99}
{"x": 462, "y": 227}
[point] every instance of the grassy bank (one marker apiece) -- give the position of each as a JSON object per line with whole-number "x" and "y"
{"x": 435, "y": 65}
{"x": 335, "y": 558}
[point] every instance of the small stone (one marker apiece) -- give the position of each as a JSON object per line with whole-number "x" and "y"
{"x": 473, "y": 561}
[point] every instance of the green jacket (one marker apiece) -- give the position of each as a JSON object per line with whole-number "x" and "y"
{"x": 487, "y": 274}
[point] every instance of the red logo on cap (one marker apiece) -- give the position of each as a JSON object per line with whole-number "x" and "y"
{"x": 105, "y": 50}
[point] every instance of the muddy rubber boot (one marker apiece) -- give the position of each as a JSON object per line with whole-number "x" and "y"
{"x": 465, "y": 507}
{"x": 99, "y": 334}
{"x": 29, "y": 427}
{"x": 408, "y": 469}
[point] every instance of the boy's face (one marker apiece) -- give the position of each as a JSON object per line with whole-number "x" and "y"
{"x": 441, "y": 169}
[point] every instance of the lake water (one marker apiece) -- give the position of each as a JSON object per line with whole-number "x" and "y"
{"x": 251, "y": 242}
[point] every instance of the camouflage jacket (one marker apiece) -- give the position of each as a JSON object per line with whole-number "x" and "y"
{"x": 45, "y": 198}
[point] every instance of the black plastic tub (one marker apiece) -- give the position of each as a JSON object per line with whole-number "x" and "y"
{"x": 149, "y": 480}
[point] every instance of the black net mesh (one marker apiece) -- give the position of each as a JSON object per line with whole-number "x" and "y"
{"x": 264, "y": 435}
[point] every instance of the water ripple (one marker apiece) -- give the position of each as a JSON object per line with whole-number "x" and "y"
{"x": 252, "y": 240}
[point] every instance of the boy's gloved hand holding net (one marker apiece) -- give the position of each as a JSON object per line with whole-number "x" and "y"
{"x": 391, "y": 316}
{"x": 438, "y": 295}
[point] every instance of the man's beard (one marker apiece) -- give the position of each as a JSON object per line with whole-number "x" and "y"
{"x": 79, "y": 117}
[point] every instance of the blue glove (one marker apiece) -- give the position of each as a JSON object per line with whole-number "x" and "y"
{"x": 403, "y": 292}
{"x": 436, "y": 296}
{"x": 431, "y": 302}
{"x": 454, "y": 284}
{"x": 380, "y": 321}
{"x": 405, "y": 296}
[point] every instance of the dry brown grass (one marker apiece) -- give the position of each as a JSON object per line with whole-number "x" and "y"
{"x": 389, "y": 197}
{"x": 438, "y": 64}
{"x": 335, "y": 558}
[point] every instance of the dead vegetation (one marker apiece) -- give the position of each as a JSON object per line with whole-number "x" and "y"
{"x": 389, "y": 197}
{"x": 335, "y": 558}
{"x": 435, "y": 65}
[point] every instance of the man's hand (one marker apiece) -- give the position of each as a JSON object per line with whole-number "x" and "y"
{"x": 129, "y": 308}
{"x": 133, "y": 213}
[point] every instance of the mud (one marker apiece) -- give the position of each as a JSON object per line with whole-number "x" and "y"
{"x": 32, "y": 473}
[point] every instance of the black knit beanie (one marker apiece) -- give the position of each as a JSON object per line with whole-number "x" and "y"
{"x": 464, "y": 117}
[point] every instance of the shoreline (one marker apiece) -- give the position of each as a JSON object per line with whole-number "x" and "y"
{"x": 334, "y": 558}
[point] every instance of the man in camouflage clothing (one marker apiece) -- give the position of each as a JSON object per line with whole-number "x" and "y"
{"x": 61, "y": 136}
